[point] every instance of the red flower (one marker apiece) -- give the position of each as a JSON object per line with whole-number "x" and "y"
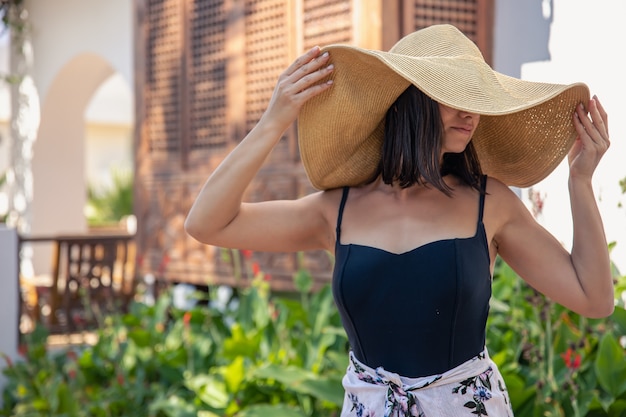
{"x": 256, "y": 269}
{"x": 572, "y": 359}
{"x": 165, "y": 260}
{"x": 71, "y": 355}
{"x": 22, "y": 350}
{"x": 247, "y": 254}
{"x": 120, "y": 379}
{"x": 186, "y": 319}
{"x": 72, "y": 373}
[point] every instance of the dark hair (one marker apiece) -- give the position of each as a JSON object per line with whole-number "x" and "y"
{"x": 412, "y": 146}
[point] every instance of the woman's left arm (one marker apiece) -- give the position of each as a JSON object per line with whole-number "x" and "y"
{"x": 590, "y": 256}
{"x": 580, "y": 280}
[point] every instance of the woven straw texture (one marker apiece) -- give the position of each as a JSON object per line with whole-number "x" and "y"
{"x": 525, "y": 129}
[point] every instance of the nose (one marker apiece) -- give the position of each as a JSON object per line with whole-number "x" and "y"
{"x": 465, "y": 114}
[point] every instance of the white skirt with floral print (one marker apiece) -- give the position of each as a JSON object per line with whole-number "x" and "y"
{"x": 474, "y": 388}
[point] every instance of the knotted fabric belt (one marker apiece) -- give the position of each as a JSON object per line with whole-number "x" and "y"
{"x": 472, "y": 388}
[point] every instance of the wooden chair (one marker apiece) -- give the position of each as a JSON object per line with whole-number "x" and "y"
{"x": 92, "y": 276}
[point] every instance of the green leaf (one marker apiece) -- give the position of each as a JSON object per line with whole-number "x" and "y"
{"x": 67, "y": 403}
{"x": 141, "y": 337}
{"x": 618, "y": 409}
{"x": 610, "y": 365}
{"x": 209, "y": 390}
{"x": 287, "y": 375}
{"x": 234, "y": 374}
{"x": 325, "y": 389}
{"x": 304, "y": 382}
{"x": 267, "y": 410}
{"x": 619, "y": 318}
{"x": 173, "y": 406}
{"x": 303, "y": 281}
{"x": 205, "y": 413}
{"x": 241, "y": 344}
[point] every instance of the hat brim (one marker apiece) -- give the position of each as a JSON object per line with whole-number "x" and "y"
{"x": 525, "y": 129}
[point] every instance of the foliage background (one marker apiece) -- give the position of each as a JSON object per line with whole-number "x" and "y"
{"x": 251, "y": 353}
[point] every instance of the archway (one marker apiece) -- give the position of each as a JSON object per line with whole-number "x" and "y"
{"x": 59, "y": 171}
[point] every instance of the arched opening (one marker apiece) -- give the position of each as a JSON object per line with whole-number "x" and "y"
{"x": 109, "y": 120}
{"x": 60, "y": 172}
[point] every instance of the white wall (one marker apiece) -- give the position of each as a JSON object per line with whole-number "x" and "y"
{"x": 78, "y": 45}
{"x": 581, "y": 42}
{"x": 109, "y": 131}
{"x": 63, "y": 29}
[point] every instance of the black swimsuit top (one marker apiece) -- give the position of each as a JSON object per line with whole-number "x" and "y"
{"x": 417, "y": 313}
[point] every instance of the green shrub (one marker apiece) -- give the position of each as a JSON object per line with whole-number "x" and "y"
{"x": 269, "y": 356}
{"x": 108, "y": 206}
{"x": 555, "y": 362}
{"x": 260, "y": 354}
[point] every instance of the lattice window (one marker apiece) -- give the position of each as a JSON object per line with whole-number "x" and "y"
{"x": 326, "y": 22}
{"x": 163, "y": 76}
{"x": 460, "y": 13}
{"x": 266, "y": 53}
{"x": 207, "y": 74}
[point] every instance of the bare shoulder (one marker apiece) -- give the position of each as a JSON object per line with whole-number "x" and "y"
{"x": 503, "y": 207}
{"x": 326, "y": 202}
{"x": 499, "y": 194}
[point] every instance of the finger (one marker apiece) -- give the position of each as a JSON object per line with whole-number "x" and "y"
{"x": 303, "y": 60}
{"x": 589, "y": 129}
{"x": 597, "y": 120}
{"x": 313, "y": 77}
{"x": 311, "y": 68}
{"x": 600, "y": 133}
{"x": 578, "y": 124}
{"x": 603, "y": 113}
{"x": 313, "y": 90}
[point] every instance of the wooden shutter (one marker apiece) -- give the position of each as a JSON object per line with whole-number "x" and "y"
{"x": 206, "y": 75}
{"x": 205, "y": 72}
{"x": 266, "y": 52}
{"x": 163, "y": 78}
{"x": 326, "y": 22}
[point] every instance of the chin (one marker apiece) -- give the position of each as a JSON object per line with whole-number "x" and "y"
{"x": 459, "y": 149}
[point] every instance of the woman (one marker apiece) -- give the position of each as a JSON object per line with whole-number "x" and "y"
{"x": 393, "y": 141}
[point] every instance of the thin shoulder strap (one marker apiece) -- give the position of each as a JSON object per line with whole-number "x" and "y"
{"x": 483, "y": 191}
{"x": 344, "y": 198}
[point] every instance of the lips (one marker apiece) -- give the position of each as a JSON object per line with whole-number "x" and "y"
{"x": 466, "y": 129}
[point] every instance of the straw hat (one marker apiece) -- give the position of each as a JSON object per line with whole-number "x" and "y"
{"x": 525, "y": 129}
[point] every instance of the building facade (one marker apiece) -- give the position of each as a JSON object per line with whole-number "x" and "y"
{"x": 205, "y": 70}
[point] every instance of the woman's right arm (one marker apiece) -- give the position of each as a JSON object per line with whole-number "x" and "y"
{"x": 218, "y": 216}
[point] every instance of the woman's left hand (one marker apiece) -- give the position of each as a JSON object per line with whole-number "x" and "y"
{"x": 592, "y": 141}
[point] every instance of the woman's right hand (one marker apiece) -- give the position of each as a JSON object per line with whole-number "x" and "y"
{"x": 296, "y": 85}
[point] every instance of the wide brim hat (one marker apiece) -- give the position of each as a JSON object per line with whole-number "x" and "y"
{"x": 525, "y": 128}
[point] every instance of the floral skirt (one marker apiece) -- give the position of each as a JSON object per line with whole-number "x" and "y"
{"x": 474, "y": 388}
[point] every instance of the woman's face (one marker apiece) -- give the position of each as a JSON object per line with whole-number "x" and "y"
{"x": 458, "y": 128}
